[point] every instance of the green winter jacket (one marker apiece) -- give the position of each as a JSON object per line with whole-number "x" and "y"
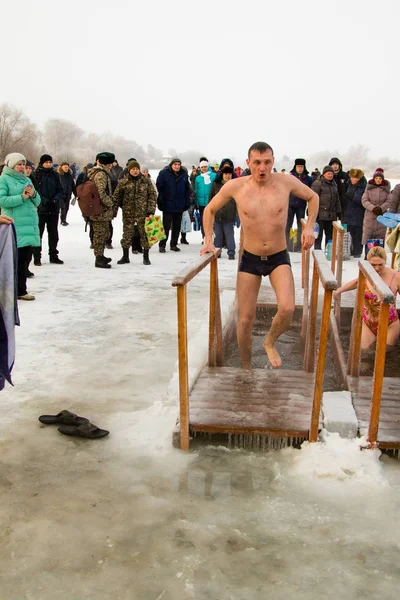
{"x": 24, "y": 212}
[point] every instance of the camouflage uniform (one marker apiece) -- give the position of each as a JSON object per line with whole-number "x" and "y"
{"x": 138, "y": 199}
{"x": 101, "y": 223}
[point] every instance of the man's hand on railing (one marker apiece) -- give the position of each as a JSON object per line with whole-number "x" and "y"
{"x": 208, "y": 247}
{"x": 307, "y": 238}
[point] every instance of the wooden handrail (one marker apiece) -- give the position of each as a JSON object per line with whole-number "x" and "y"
{"x": 303, "y": 223}
{"x": 337, "y": 264}
{"x": 386, "y": 296}
{"x": 381, "y": 288}
{"x": 326, "y": 276}
{"x": 215, "y": 349}
{"x": 321, "y": 272}
{"x": 191, "y": 271}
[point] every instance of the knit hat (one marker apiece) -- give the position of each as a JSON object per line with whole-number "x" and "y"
{"x": 327, "y": 169}
{"x": 203, "y": 163}
{"x": 44, "y": 158}
{"x": 174, "y": 160}
{"x": 335, "y": 160}
{"x": 144, "y": 168}
{"x": 29, "y": 163}
{"x": 379, "y": 170}
{"x": 357, "y": 173}
{"x": 89, "y": 166}
{"x": 379, "y": 173}
{"x": 13, "y": 159}
{"x": 133, "y": 164}
{"x": 300, "y": 161}
{"x": 105, "y": 158}
{"x": 129, "y": 160}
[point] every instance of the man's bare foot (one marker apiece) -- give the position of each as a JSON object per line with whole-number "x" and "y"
{"x": 273, "y": 355}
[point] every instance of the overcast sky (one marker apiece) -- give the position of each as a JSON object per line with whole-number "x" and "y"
{"x": 212, "y": 76}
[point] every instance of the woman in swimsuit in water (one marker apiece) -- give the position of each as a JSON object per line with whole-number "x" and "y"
{"x": 377, "y": 259}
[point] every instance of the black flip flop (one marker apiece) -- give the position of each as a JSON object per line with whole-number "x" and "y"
{"x": 65, "y": 417}
{"x": 86, "y": 430}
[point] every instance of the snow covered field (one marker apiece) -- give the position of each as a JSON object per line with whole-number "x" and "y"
{"x": 129, "y": 517}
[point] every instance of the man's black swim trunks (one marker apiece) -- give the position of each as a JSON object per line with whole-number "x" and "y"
{"x": 263, "y": 265}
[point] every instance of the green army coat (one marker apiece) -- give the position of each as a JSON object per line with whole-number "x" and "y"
{"x": 137, "y": 197}
{"x": 102, "y": 181}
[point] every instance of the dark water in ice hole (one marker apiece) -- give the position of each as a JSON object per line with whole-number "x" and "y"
{"x": 290, "y": 346}
{"x": 392, "y": 361}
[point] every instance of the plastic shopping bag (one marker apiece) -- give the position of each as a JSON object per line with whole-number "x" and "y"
{"x": 197, "y": 220}
{"x": 186, "y": 224}
{"x": 154, "y": 229}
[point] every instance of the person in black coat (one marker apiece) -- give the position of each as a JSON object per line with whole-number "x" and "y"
{"x": 341, "y": 180}
{"x": 51, "y": 192}
{"x": 354, "y": 215}
{"x": 68, "y": 184}
{"x": 297, "y": 206}
{"x": 173, "y": 199}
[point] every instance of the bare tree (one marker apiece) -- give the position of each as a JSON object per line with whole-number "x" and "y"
{"x": 61, "y": 138}
{"x": 17, "y": 133}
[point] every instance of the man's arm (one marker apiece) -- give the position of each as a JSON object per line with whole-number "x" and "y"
{"x": 302, "y": 191}
{"x": 224, "y": 195}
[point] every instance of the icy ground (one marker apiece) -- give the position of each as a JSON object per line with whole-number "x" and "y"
{"x": 129, "y": 517}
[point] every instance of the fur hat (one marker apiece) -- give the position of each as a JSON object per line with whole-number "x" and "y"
{"x": 13, "y": 159}
{"x": 64, "y": 162}
{"x": 357, "y": 173}
{"x": 132, "y": 164}
{"x": 300, "y": 161}
{"x": 327, "y": 169}
{"x": 105, "y": 158}
{"x": 45, "y": 158}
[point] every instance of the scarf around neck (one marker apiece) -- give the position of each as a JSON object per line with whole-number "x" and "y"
{"x": 13, "y": 173}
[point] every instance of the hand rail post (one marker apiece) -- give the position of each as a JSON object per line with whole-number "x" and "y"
{"x": 339, "y": 273}
{"x": 309, "y": 355}
{"x": 212, "y": 316}
{"x": 219, "y": 355}
{"x": 304, "y": 319}
{"x": 379, "y": 370}
{"x": 334, "y": 246}
{"x": 183, "y": 367}
{"x": 353, "y": 362}
{"x": 319, "y": 375}
{"x": 303, "y": 256}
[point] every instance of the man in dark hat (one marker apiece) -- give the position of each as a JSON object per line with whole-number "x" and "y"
{"x": 173, "y": 199}
{"x": 51, "y": 192}
{"x": 100, "y": 175}
{"x": 297, "y": 206}
{"x": 342, "y": 182}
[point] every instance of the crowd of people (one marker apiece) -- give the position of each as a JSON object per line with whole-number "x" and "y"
{"x": 39, "y": 198}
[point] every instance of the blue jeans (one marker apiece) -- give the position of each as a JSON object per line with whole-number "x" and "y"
{"x": 221, "y": 228}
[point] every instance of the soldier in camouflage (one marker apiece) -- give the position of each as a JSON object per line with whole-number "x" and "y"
{"x": 136, "y": 195}
{"x": 100, "y": 175}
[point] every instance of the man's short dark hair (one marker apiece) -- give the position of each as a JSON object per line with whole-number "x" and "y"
{"x": 260, "y": 147}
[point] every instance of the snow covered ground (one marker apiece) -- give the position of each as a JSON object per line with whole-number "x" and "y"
{"x": 129, "y": 517}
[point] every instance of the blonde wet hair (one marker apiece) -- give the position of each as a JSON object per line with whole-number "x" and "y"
{"x": 377, "y": 252}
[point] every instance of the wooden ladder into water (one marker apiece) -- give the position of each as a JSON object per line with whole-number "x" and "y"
{"x": 281, "y": 403}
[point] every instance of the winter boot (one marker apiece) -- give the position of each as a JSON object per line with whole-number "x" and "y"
{"x": 175, "y": 248}
{"x": 101, "y": 263}
{"x": 183, "y": 239}
{"x": 146, "y": 260}
{"x": 37, "y": 262}
{"x": 125, "y": 257}
{"x": 55, "y": 260}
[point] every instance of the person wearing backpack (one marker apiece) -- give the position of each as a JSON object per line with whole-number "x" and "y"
{"x": 100, "y": 176}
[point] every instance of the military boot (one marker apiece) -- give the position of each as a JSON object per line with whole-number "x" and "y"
{"x": 101, "y": 263}
{"x": 146, "y": 260}
{"x": 125, "y": 257}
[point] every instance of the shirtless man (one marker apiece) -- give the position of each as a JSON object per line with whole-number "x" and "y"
{"x": 262, "y": 200}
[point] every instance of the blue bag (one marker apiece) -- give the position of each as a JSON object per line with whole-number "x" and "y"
{"x": 197, "y": 220}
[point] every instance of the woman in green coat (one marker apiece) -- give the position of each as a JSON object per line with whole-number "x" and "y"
{"x": 19, "y": 200}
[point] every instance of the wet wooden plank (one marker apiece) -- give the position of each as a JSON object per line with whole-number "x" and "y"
{"x": 258, "y": 402}
{"x": 389, "y": 419}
